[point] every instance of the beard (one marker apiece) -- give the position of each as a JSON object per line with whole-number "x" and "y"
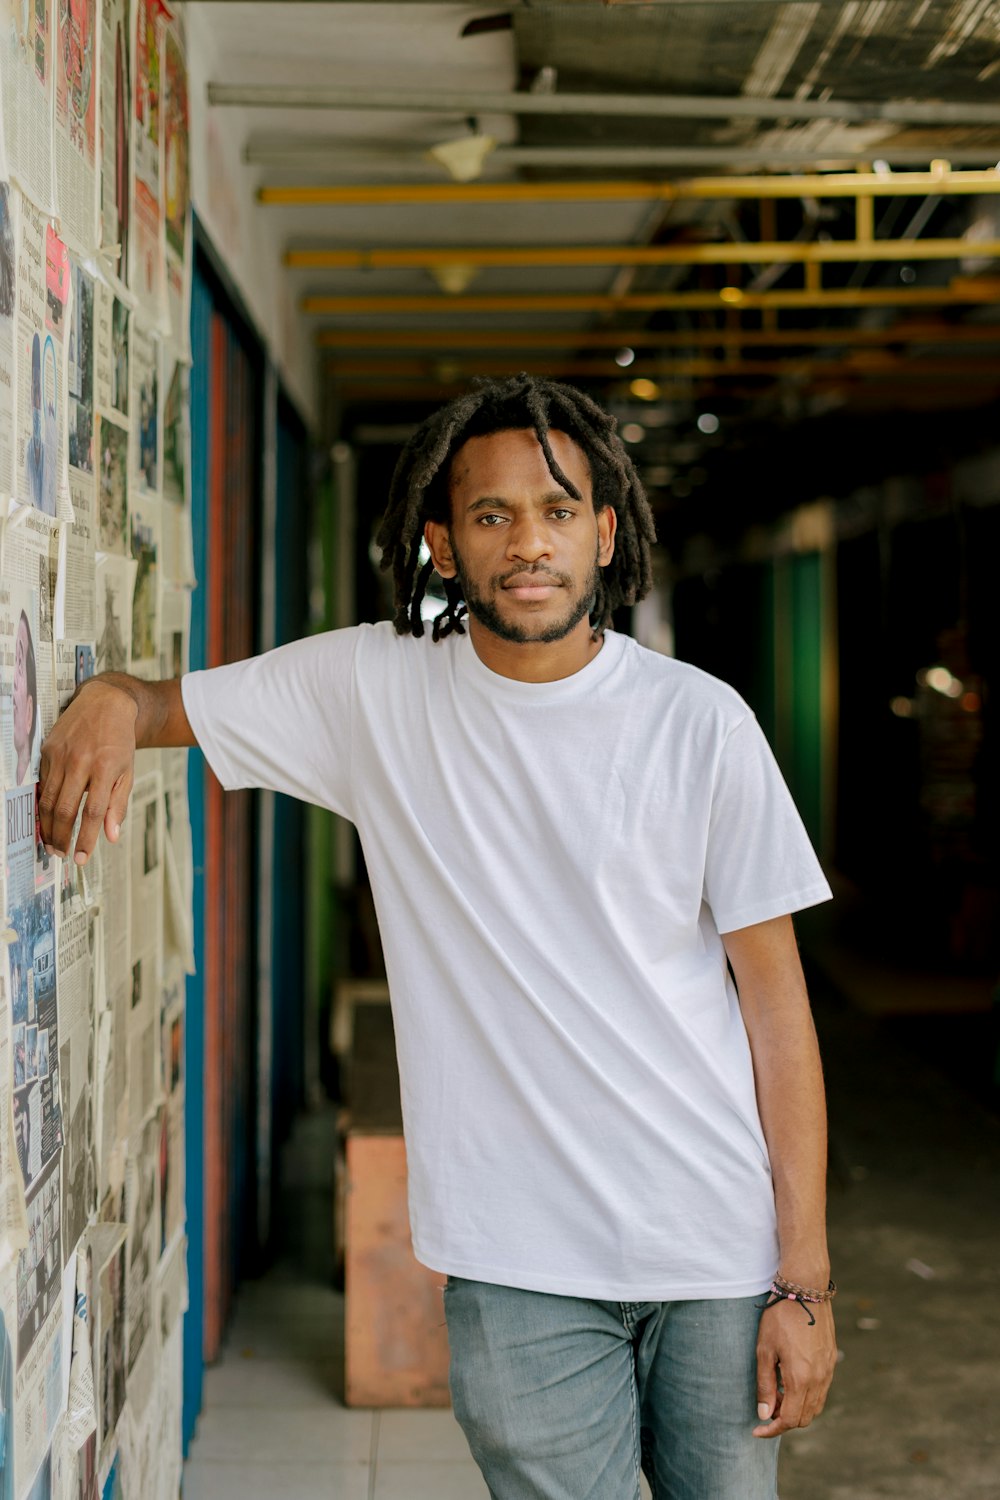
{"x": 482, "y": 607}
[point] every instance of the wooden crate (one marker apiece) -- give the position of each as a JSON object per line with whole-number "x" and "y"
{"x": 396, "y": 1350}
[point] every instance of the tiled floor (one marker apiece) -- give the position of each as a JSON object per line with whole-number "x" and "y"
{"x": 273, "y": 1422}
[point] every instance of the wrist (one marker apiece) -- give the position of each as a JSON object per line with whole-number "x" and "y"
{"x": 805, "y": 1270}
{"x": 119, "y": 683}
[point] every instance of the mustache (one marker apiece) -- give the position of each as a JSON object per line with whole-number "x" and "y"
{"x": 533, "y": 572}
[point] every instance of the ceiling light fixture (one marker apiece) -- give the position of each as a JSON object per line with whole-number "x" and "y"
{"x": 465, "y": 157}
{"x": 454, "y": 277}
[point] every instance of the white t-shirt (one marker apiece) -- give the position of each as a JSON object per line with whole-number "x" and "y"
{"x": 552, "y": 865}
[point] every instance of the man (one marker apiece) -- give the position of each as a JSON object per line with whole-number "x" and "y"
{"x": 612, "y": 1155}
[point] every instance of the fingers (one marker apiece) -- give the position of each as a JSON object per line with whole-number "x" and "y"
{"x": 91, "y": 820}
{"x": 787, "y": 1414}
{"x": 793, "y": 1406}
{"x": 54, "y": 800}
{"x": 59, "y": 806}
{"x": 118, "y": 807}
{"x": 767, "y": 1385}
{"x": 786, "y": 1418}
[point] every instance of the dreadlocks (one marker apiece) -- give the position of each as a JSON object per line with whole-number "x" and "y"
{"x": 419, "y": 491}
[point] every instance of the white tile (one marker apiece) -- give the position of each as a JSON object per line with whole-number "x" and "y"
{"x": 427, "y": 1482}
{"x": 421, "y": 1437}
{"x": 299, "y": 1338}
{"x": 253, "y": 1435}
{"x": 274, "y": 1383}
{"x": 291, "y": 1480}
{"x": 290, "y": 1299}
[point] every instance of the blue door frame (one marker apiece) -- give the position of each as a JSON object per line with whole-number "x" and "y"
{"x": 194, "y": 1036}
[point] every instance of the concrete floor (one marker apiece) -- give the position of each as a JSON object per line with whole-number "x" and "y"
{"x": 915, "y": 1232}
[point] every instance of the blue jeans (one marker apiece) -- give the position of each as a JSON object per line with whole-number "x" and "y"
{"x": 564, "y": 1398}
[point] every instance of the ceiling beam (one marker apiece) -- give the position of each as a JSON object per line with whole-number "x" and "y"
{"x": 620, "y": 106}
{"x": 871, "y": 363}
{"x": 396, "y": 339}
{"x": 942, "y": 182}
{"x": 711, "y": 254}
{"x": 960, "y": 292}
{"x": 339, "y": 154}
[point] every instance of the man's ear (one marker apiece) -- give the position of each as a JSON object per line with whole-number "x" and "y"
{"x": 607, "y": 525}
{"x": 439, "y": 546}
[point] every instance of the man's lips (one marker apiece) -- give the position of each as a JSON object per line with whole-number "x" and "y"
{"x": 530, "y": 586}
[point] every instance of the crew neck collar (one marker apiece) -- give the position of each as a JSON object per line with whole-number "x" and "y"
{"x": 560, "y": 690}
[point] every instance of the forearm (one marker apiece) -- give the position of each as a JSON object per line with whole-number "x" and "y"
{"x": 791, "y": 1101}
{"x": 796, "y": 1342}
{"x": 160, "y": 719}
{"x": 790, "y": 1094}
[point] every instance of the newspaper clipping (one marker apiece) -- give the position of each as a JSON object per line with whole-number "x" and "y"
{"x": 145, "y": 398}
{"x": 171, "y": 1142}
{"x": 116, "y": 128}
{"x": 146, "y": 948}
{"x": 26, "y": 52}
{"x": 111, "y": 395}
{"x": 115, "y": 576}
{"x": 177, "y": 185}
{"x": 13, "y": 1065}
{"x": 76, "y": 603}
{"x": 76, "y": 120}
{"x": 77, "y": 1055}
{"x": 146, "y": 520}
{"x": 8, "y": 305}
{"x": 43, "y": 296}
{"x": 147, "y": 280}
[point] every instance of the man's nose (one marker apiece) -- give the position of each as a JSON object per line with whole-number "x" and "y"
{"x": 528, "y": 539}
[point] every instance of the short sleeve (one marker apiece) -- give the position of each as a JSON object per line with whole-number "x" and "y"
{"x": 759, "y": 861}
{"x": 281, "y": 721}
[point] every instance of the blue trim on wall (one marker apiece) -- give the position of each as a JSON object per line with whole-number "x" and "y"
{"x": 194, "y": 1030}
{"x": 289, "y": 868}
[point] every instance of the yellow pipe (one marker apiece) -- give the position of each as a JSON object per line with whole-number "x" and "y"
{"x": 960, "y": 293}
{"x": 780, "y": 251}
{"x": 641, "y": 338}
{"x": 805, "y": 185}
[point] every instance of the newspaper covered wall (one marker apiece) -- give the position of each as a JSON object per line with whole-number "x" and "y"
{"x": 95, "y": 573}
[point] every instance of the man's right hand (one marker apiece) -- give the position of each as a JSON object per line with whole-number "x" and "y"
{"x": 90, "y": 754}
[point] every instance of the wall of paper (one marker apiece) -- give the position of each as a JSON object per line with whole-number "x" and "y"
{"x": 95, "y": 574}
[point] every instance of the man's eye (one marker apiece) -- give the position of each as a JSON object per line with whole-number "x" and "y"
{"x": 490, "y": 520}
{"x": 562, "y": 513}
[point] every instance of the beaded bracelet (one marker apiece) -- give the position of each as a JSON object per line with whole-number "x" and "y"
{"x": 789, "y": 1291}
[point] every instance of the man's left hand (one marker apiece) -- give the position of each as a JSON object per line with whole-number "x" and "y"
{"x": 795, "y": 1365}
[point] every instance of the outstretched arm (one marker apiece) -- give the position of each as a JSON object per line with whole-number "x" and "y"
{"x": 90, "y": 754}
{"x": 790, "y": 1098}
